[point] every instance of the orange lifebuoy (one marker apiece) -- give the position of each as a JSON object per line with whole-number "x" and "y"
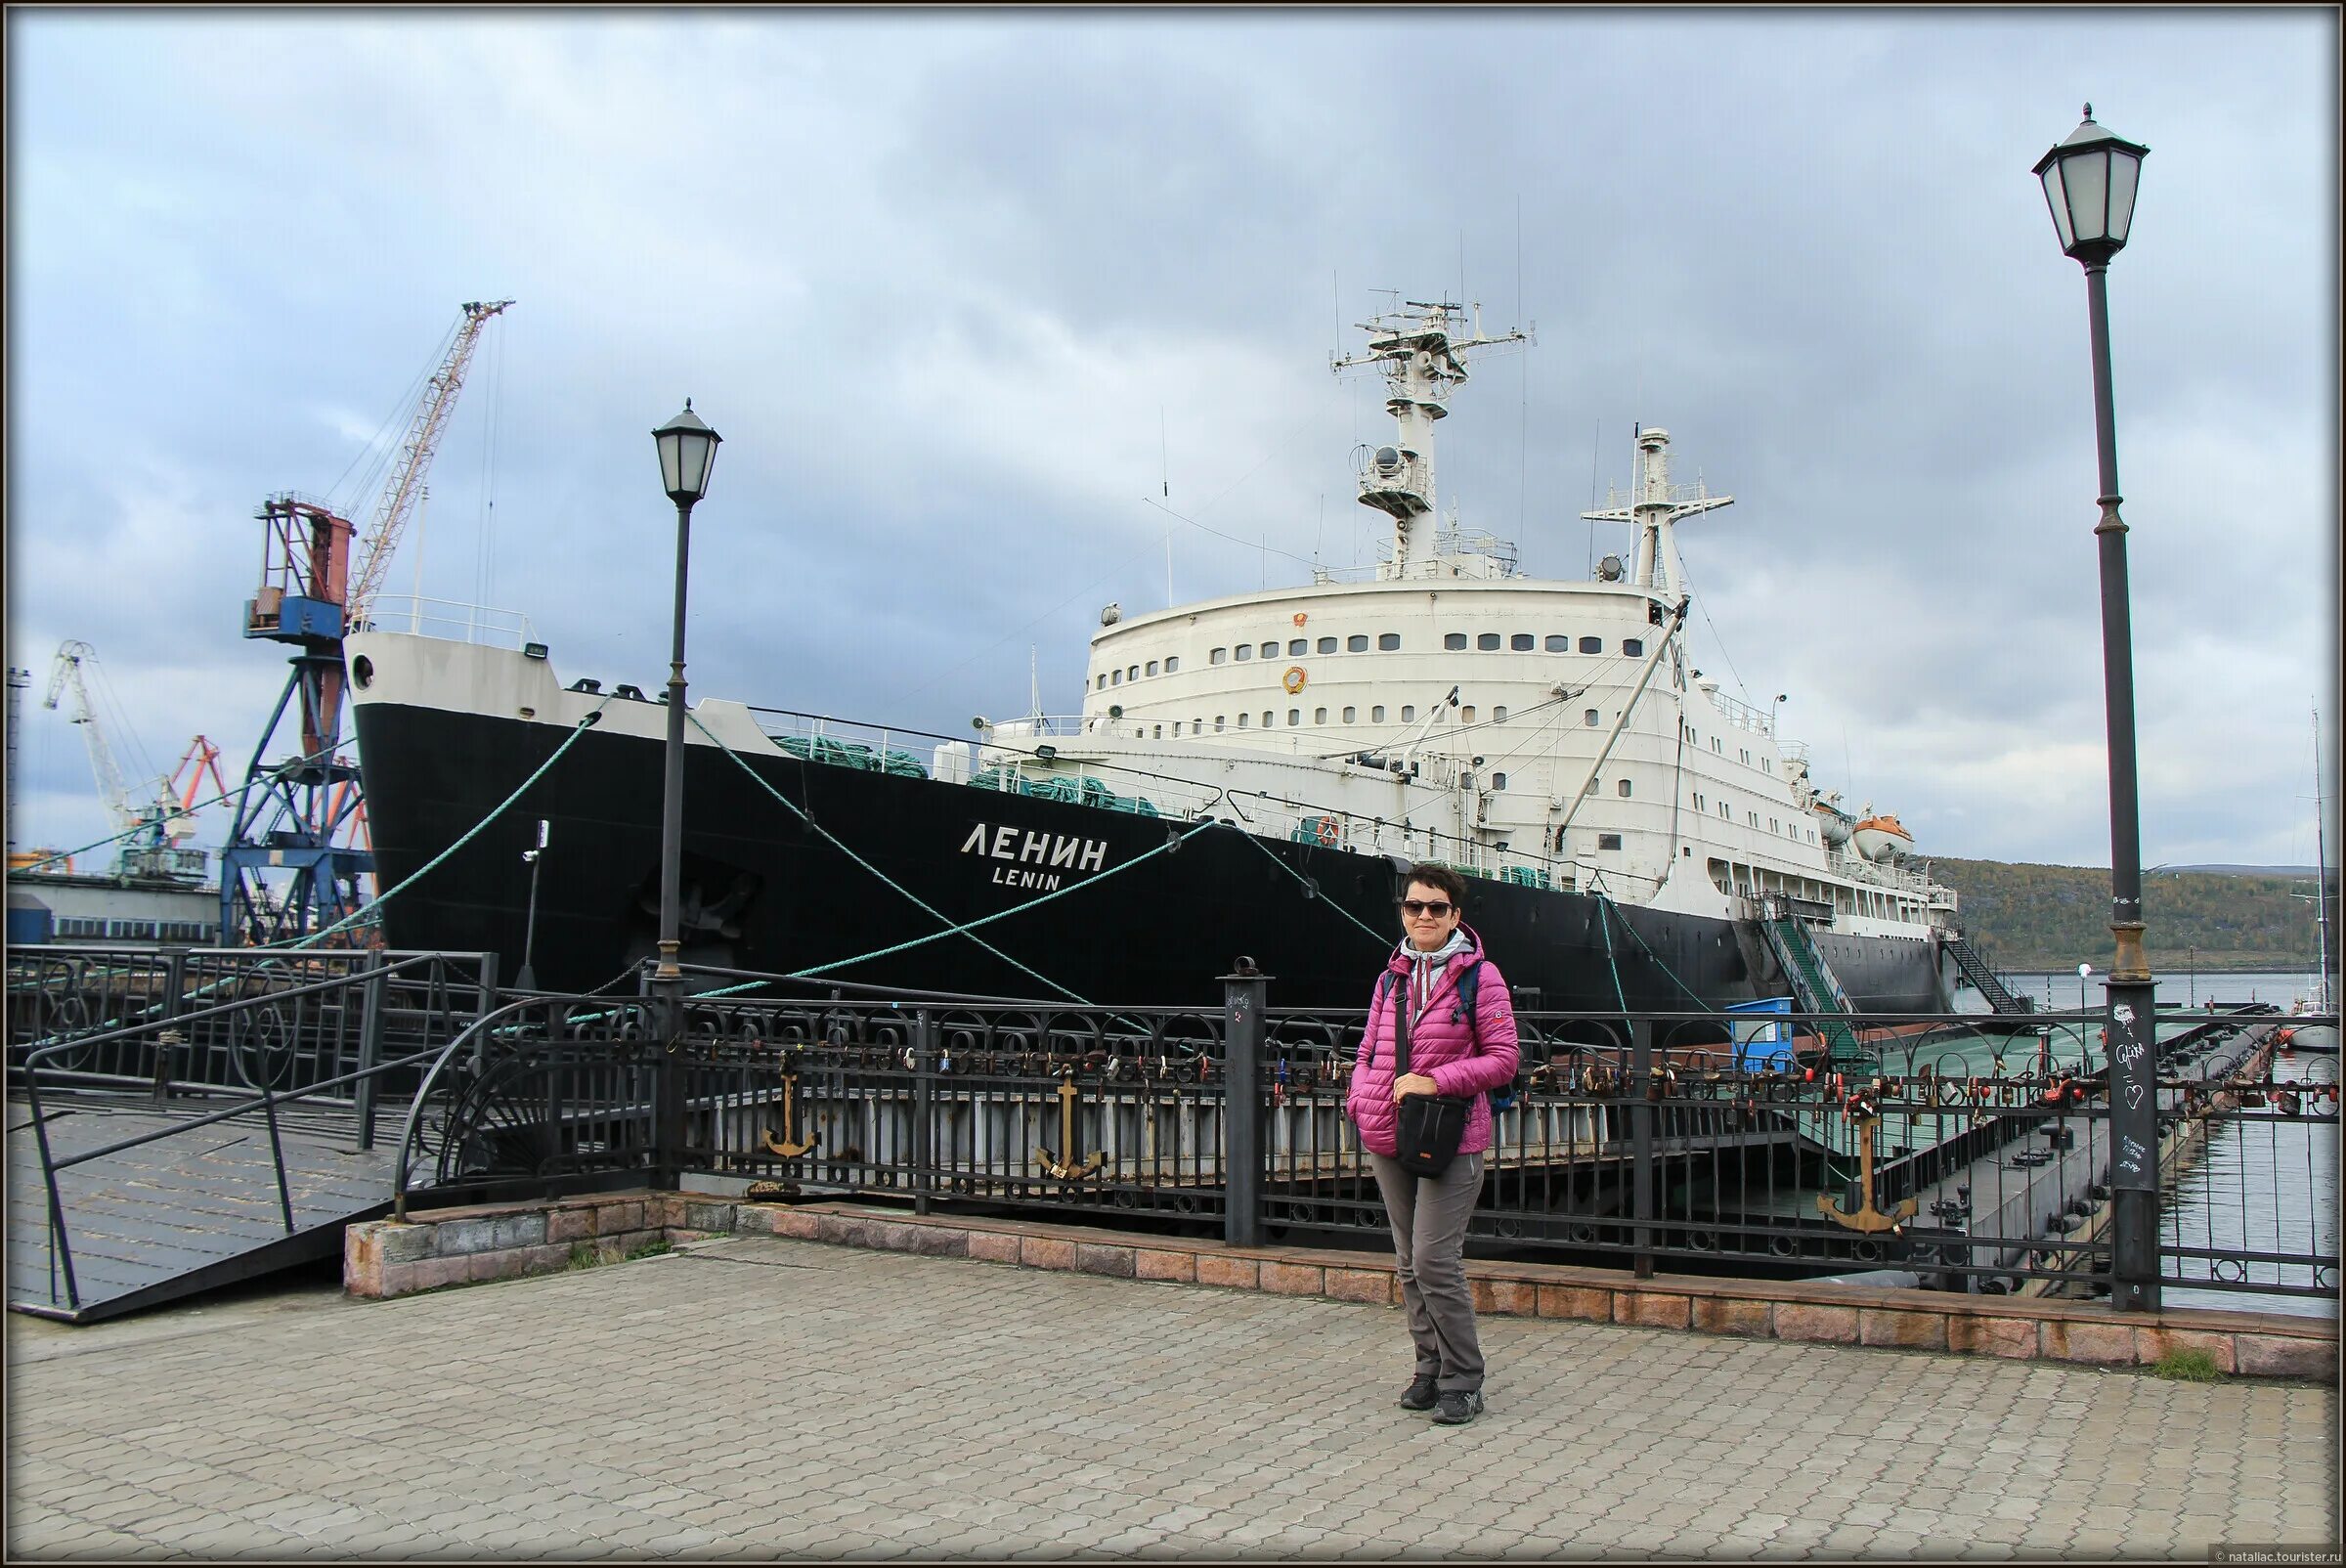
{"x": 1324, "y": 830}
{"x": 1293, "y": 680}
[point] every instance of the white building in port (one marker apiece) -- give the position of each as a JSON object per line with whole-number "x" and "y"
{"x": 1540, "y": 731}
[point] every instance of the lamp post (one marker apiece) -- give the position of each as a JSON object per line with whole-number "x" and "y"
{"x": 2090, "y": 180}
{"x": 2083, "y": 970}
{"x": 535, "y": 859}
{"x": 687, "y": 451}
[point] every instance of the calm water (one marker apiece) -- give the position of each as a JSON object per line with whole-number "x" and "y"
{"x": 2258, "y": 1185}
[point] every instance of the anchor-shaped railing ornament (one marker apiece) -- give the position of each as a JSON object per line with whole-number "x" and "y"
{"x": 1867, "y": 1218}
{"x": 789, "y": 1150}
{"x": 1069, "y": 1169}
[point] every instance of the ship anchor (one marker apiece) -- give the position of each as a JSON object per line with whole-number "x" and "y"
{"x": 789, "y": 1150}
{"x": 1069, "y": 1169}
{"x": 1867, "y": 1218}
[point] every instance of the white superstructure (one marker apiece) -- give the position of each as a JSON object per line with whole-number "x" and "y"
{"x": 1451, "y": 709}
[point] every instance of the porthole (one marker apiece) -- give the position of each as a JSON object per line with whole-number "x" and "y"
{"x": 1351, "y": 714}
{"x": 1389, "y": 641}
{"x": 1623, "y": 789}
{"x": 1592, "y": 644}
{"x": 1499, "y": 781}
{"x": 1520, "y": 642}
{"x": 1328, "y": 645}
{"x": 1356, "y": 644}
{"x": 1245, "y": 651}
{"x": 1270, "y": 650}
{"x": 1633, "y": 646}
{"x": 1408, "y": 712}
{"x": 1299, "y": 647}
{"x": 1453, "y": 640}
{"x": 1559, "y": 644}
{"x": 362, "y": 672}
{"x": 1488, "y": 643}
{"x": 1589, "y": 717}
{"x": 1376, "y": 715}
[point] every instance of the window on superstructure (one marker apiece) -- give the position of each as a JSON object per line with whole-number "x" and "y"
{"x": 1153, "y": 666}
{"x": 1812, "y": 836}
{"x": 1698, "y": 802}
{"x": 1349, "y": 713}
{"x": 1747, "y": 754}
{"x": 1755, "y": 817}
{"x": 1244, "y": 651}
{"x": 1466, "y": 714}
{"x": 1357, "y": 642}
{"x": 1134, "y": 674}
{"x": 1773, "y": 826}
{"x": 1589, "y": 716}
{"x": 1241, "y": 720}
{"x": 1270, "y": 650}
{"x": 1589, "y": 788}
{"x": 1218, "y": 655}
{"x": 1608, "y": 840}
{"x": 1172, "y": 663}
{"x": 1408, "y": 712}
{"x": 1716, "y": 747}
{"x": 1635, "y": 647}
{"x": 1499, "y": 781}
{"x": 1376, "y": 715}
{"x": 1486, "y": 643}
{"x": 1217, "y": 723}
{"x": 1723, "y": 811}
{"x": 1557, "y": 642}
{"x": 1319, "y": 716}
{"x": 1498, "y": 713}
{"x": 1521, "y": 642}
{"x": 1592, "y": 644}
{"x": 1102, "y": 687}
{"x": 1266, "y": 719}
{"x": 1295, "y": 716}
{"x": 1161, "y": 732}
{"x": 1453, "y": 640}
{"x": 1115, "y": 678}
{"x": 1328, "y": 645}
{"x": 1389, "y": 641}
{"x": 1299, "y": 647}
{"x": 1622, "y": 789}
{"x": 1767, "y": 765}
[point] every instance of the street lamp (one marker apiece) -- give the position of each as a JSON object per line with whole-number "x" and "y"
{"x": 2090, "y": 180}
{"x": 687, "y": 451}
{"x": 2083, "y": 970}
{"x": 535, "y": 859}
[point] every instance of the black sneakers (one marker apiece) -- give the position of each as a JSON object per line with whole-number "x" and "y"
{"x": 1419, "y": 1395}
{"x": 1458, "y": 1407}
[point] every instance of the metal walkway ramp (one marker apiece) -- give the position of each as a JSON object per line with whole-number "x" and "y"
{"x": 182, "y": 1214}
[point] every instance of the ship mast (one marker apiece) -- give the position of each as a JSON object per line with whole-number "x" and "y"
{"x": 1424, "y": 362}
{"x": 1655, "y": 506}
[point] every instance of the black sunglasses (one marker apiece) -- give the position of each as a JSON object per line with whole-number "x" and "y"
{"x": 1413, "y": 908}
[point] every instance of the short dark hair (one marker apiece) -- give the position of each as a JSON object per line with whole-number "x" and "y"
{"x": 1452, "y": 886}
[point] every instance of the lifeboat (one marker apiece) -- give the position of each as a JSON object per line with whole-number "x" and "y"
{"x": 1831, "y": 825}
{"x": 1880, "y": 839}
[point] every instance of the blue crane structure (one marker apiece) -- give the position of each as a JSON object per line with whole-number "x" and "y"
{"x": 297, "y": 856}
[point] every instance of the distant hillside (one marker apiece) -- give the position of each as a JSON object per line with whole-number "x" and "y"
{"x": 2029, "y": 917}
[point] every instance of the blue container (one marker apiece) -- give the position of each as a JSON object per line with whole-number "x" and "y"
{"x": 1763, "y": 1042}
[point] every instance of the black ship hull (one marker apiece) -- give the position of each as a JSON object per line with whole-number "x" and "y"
{"x": 1120, "y": 908}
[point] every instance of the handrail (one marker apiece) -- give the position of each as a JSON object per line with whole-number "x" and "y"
{"x": 406, "y": 1134}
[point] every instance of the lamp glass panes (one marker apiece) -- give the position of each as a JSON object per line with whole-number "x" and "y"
{"x": 2090, "y": 181}
{"x": 687, "y": 451}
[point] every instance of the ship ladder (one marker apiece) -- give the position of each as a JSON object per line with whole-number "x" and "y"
{"x": 1984, "y": 981}
{"x": 1818, "y": 991}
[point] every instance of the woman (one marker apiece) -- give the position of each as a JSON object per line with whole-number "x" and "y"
{"x": 1451, "y": 1052}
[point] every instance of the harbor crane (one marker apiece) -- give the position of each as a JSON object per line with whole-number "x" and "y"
{"x": 160, "y": 829}
{"x": 303, "y": 816}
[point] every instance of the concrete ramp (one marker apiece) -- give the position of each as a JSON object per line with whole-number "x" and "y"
{"x": 186, "y": 1213}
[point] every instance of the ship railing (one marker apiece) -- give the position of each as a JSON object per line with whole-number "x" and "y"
{"x": 1743, "y": 715}
{"x": 449, "y": 621}
{"x": 1972, "y": 1156}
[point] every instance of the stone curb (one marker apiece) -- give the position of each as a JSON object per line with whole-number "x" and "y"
{"x": 382, "y": 1259}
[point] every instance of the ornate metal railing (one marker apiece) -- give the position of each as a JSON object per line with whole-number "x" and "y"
{"x": 1969, "y": 1156}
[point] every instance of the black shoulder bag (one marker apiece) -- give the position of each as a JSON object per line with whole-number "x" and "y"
{"x": 1427, "y": 1126}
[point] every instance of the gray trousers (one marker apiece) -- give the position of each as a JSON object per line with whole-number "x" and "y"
{"x": 1429, "y": 1254}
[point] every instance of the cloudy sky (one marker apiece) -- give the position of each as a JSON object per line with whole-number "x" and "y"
{"x": 966, "y": 292}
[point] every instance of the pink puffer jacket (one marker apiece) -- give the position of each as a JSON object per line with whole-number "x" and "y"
{"x": 1442, "y": 1046}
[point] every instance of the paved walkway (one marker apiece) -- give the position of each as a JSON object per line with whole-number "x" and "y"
{"x": 757, "y": 1397}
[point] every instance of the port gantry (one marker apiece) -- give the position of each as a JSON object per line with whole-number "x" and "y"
{"x": 305, "y": 815}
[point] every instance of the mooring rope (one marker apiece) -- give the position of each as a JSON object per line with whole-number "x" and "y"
{"x": 952, "y": 927}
